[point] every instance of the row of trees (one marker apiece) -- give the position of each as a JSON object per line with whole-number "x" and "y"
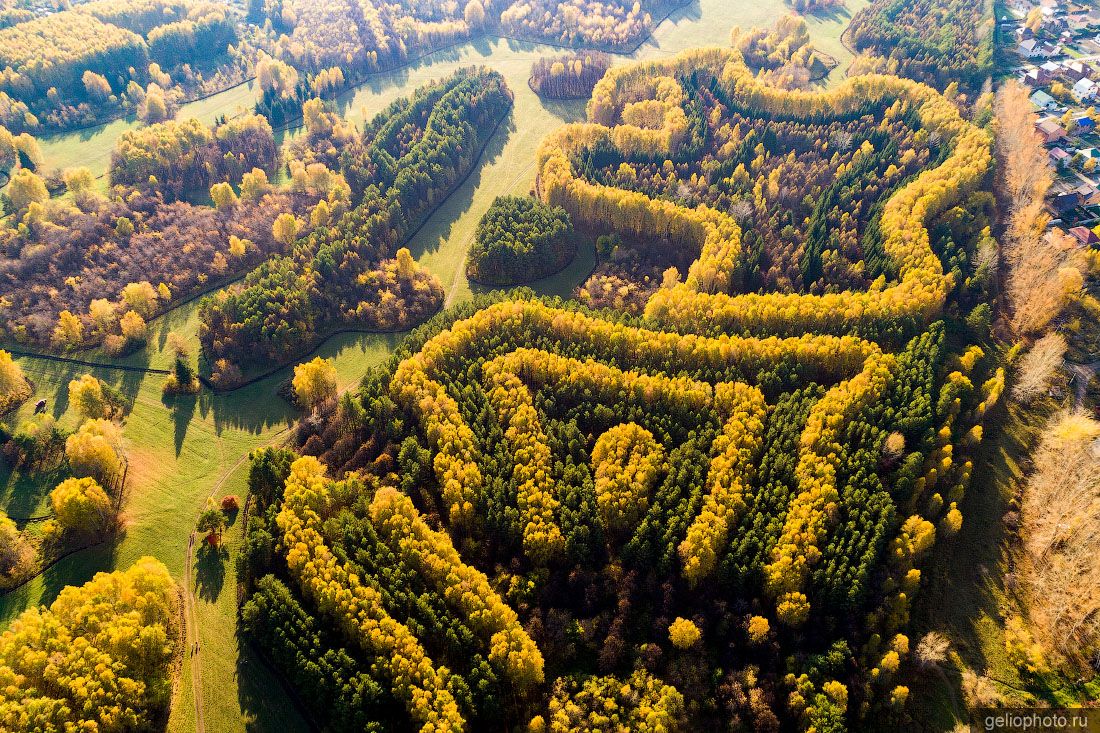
{"x": 567, "y": 404}
{"x": 1044, "y": 268}
{"x": 568, "y": 77}
{"x": 810, "y": 498}
{"x": 178, "y": 157}
{"x": 417, "y": 681}
{"x": 605, "y": 25}
{"x": 408, "y": 160}
{"x": 702, "y": 301}
{"x": 71, "y": 66}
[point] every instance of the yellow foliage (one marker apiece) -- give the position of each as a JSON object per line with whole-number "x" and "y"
{"x": 758, "y": 629}
{"x": 315, "y": 382}
{"x": 113, "y": 637}
{"x": 683, "y": 633}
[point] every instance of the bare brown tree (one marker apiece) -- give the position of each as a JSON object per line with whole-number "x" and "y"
{"x": 1038, "y": 366}
{"x": 1060, "y": 527}
{"x": 1041, "y": 270}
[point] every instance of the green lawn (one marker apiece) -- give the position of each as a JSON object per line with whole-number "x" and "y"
{"x": 183, "y": 451}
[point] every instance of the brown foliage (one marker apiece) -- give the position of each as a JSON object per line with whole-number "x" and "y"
{"x": 1041, "y": 270}
{"x": 1060, "y": 530}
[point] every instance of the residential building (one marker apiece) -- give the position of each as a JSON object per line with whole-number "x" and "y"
{"x": 1063, "y": 203}
{"x": 1043, "y": 101}
{"x": 1084, "y": 90}
{"x": 1075, "y": 70}
{"x": 1030, "y": 49}
{"x": 1085, "y": 236}
{"x": 1088, "y": 194}
{"x": 1050, "y": 130}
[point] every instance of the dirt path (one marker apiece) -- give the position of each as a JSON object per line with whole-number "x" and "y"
{"x": 1082, "y": 374}
{"x": 194, "y": 646}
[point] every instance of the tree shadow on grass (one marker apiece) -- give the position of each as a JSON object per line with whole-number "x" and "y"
{"x": 183, "y": 408}
{"x": 210, "y": 571}
{"x": 80, "y": 567}
{"x": 267, "y": 703}
{"x": 22, "y": 490}
{"x": 437, "y": 228}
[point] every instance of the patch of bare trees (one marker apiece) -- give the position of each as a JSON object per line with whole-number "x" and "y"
{"x": 1060, "y": 529}
{"x": 1038, "y": 366}
{"x": 1042, "y": 268}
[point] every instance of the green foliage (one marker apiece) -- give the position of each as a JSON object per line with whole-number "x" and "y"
{"x": 520, "y": 239}
{"x": 408, "y": 159}
{"x": 932, "y": 40}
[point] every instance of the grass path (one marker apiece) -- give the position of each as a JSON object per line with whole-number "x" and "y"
{"x": 193, "y": 645}
{"x": 184, "y": 451}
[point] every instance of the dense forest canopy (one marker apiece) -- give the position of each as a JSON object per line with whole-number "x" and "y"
{"x": 348, "y": 271}
{"x": 666, "y": 514}
{"x": 71, "y": 65}
{"x": 709, "y": 491}
{"x": 99, "y": 658}
{"x": 938, "y": 41}
{"x": 519, "y": 240}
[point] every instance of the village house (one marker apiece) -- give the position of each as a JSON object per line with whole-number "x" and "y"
{"x": 1032, "y": 77}
{"x": 1059, "y": 157}
{"x": 1075, "y": 71}
{"x": 1083, "y": 123}
{"x": 1061, "y": 204}
{"x": 1029, "y": 49}
{"x": 1085, "y": 236}
{"x": 1088, "y": 194}
{"x": 1050, "y": 130}
{"x": 1043, "y": 101}
{"x": 1084, "y": 90}
{"x": 1088, "y": 154}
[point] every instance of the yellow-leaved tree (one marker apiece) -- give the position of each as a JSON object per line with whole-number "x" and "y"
{"x": 81, "y": 505}
{"x": 315, "y": 382}
{"x": 14, "y": 387}
{"x": 110, "y": 641}
{"x": 93, "y": 450}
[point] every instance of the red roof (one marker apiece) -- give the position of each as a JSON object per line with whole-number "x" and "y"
{"x": 1084, "y": 235}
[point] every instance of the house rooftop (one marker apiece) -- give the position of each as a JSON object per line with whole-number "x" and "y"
{"x": 1048, "y": 126}
{"x": 1084, "y": 235}
{"x": 1042, "y": 99}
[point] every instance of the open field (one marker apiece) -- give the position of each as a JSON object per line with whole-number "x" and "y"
{"x": 183, "y": 451}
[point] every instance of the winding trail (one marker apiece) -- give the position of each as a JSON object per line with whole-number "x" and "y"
{"x": 189, "y": 592}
